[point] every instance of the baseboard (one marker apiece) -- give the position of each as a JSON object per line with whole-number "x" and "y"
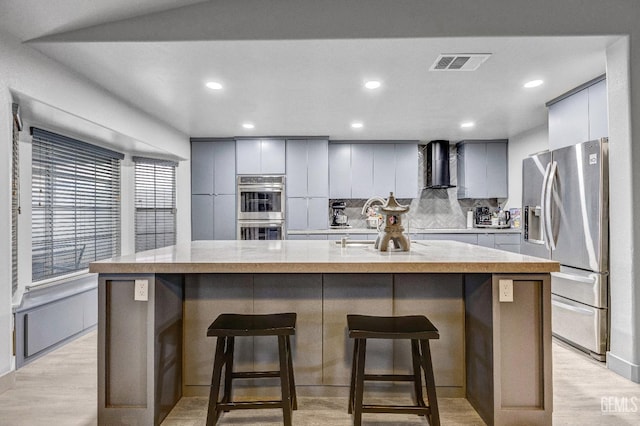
{"x": 623, "y": 367}
{"x": 7, "y": 381}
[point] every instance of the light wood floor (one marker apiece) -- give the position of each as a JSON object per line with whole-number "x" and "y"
{"x": 60, "y": 389}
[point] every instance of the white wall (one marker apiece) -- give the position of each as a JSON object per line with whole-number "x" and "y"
{"x": 26, "y": 72}
{"x": 521, "y": 146}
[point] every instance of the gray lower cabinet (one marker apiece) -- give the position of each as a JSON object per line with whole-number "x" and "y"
{"x": 213, "y": 217}
{"x": 508, "y": 242}
{"x": 52, "y": 316}
{"x": 482, "y": 169}
{"x": 487, "y": 240}
{"x": 463, "y": 238}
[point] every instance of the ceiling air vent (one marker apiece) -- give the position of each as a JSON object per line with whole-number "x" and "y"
{"x": 459, "y": 61}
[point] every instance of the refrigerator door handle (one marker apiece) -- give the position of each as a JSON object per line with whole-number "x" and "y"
{"x": 543, "y": 206}
{"x": 548, "y": 187}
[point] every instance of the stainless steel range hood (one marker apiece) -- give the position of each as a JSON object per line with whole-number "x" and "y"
{"x": 436, "y": 166}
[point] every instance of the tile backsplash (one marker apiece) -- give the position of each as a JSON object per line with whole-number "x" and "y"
{"x": 432, "y": 208}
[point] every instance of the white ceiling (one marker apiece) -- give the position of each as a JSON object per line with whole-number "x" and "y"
{"x": 310, "y": 87}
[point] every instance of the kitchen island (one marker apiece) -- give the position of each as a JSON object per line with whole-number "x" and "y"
{"x": 496, "y": 354}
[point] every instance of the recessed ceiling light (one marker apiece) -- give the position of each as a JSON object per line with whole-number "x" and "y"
{"x": 533, "y": 83}
{"x": 467, "y": 124}
{"x": 372, "y": 84}
{"x": 214, "y": 85}
{"x": 248, "y": 125}
{"x": 357, "y": 125}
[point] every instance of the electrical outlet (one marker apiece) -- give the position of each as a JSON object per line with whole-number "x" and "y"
{"x": 141, "y": 290}
{"x": 506, "y": 290}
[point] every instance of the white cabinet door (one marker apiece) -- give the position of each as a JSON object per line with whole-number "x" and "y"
{"x": 406, "y": 170}
{"x": 361, "y": 170}
{"x": 202, "y": 217}
{"x": 273, "y": 157}
{"x": 297, "y": 218}
{"x": 248, "y": 156}
{"x": 296, "y": 168}
{"x": 569, "y": 120}
{"x": 202, "y": 167}
{"x": 340, "y": 171}
{"x": 318, "y": 213}
{"x": 225, "y": 167}
{"x": 384, "y": 170}
{"x": 317, "y": 168}
{"x": 598, "y": 117}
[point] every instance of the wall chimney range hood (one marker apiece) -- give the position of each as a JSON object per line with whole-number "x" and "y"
{"x": 436, "y": 167}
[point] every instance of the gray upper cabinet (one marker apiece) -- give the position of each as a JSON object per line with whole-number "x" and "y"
{"x": 213, "y": 167}
{"x": 213, "y": 189}
{"x": 406, "y": 170}
{"x": 225, "y": 168}
{"x": 202, "y": 166}
{"x": 569, "y": 121}
{"x": 340, "y": 170}
{"x": 362, "y": 170}
{"x": 579, "y": 117}
{"x": 307, "y": 184}
{"x": 260, "y": 156}
{"x": 307, "y": 168}
{"x": 598, "y": 115}
{"x": 482, "y": 169}
{"x": 384, "y": 170}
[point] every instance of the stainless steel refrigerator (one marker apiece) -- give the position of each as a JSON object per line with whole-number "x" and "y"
{"x": 565, "y": 198}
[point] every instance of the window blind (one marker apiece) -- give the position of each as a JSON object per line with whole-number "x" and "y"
{"x": 75, "y": 204}
{"x": 15, "y": 197}
{"x": 155, "y": 195}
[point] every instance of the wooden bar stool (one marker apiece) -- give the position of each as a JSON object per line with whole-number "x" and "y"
{"x": 419, "y": 330}
{"x": 228, "y": 326}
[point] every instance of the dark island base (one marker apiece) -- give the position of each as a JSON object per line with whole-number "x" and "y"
{"x": 496, "y": 354}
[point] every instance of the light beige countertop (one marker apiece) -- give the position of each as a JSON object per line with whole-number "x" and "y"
{"x": 287, "y": 256}
{"x": 356, "y": 231}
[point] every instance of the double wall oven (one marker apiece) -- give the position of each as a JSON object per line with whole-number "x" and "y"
{"x": 261, "y": 207}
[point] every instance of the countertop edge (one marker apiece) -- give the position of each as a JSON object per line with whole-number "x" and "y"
{"x": 325, "y": 268}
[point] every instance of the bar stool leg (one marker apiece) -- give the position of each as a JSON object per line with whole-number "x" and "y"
{"x": 285, "y": 381}
{"x": 434, "y": 417}
{"x": 352, "y": 385}
{"x": 292, "y": 380}
{"x": 213, "y": 412}
{"x": 417, "y": 381}
{"x": 359, "y": 388}
{"x": 228, "y": 372}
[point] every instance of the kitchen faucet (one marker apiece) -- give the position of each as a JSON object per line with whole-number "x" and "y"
{"x": 370, "y": 202}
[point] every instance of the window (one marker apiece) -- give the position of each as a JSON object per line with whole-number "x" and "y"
{"x": 15, "y": 196}
{"x": 75, "y": 204}
{"x": 155, "y": 203}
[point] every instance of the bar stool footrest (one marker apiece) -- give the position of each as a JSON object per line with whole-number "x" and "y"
{"x": 254, "y": 374}
{"x": 389, "y": 377}
{"x": 247, "y": 405}
{"x": 397, "y": 409}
